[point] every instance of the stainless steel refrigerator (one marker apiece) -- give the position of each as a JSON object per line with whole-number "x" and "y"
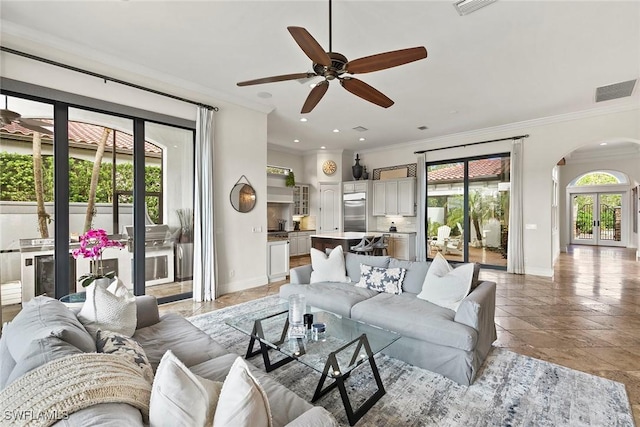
{"x": 355, "y": 212}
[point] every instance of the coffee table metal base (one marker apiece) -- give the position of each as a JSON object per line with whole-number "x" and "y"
{"x": 331, "y": 369}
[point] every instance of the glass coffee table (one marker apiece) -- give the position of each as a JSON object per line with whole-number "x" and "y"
{"x": 346, "y": 345}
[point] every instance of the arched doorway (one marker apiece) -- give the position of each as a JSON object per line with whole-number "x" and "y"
{"x": 598, "y": 208}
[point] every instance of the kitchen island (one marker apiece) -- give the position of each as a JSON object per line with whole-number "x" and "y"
{"x": 345, "y": 239}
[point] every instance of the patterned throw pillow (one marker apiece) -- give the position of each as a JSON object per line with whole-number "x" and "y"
{"x": 114, "y": 343}
{"x": 381, "y": 279}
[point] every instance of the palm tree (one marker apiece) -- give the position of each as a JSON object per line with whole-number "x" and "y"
{"x": 43, "y": 217}
{"x": 95, "y": 175}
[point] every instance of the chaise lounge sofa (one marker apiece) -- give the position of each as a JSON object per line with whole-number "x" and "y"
{"x": 448, "y": 342}
{"x": 45, "y": 317}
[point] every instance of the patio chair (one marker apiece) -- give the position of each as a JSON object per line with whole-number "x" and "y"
{"x": 444, "y": 231}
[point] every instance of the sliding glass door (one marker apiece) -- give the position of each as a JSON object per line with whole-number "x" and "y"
{"x": 468, "y": 209}
{"x": 128, "y": 176}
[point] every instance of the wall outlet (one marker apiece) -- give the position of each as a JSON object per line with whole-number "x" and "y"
{"x": 531, "y": 226}
{"x": 232, "y": 273}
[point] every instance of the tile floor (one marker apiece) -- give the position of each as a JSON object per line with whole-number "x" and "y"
{"x": 587, "y": 317}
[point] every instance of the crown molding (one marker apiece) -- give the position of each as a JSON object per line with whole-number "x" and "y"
{"x": 83, "y": 53}
{"x": 283, "y": 149}
{"x": 495, "y": 131}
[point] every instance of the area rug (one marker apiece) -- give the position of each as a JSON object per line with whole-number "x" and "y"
{"x": 510, "y": 390}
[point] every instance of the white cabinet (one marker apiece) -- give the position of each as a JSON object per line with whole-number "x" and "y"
{"x": 394, "y": 197}
{"x": 354, "y": 187}
{"x": 300, "y": 243}
{"x": 277, "y": 260}
{"x": 301, "y": 199}
{"x": 330, "y": 207}
{"x": 403, "y": 246}
{"x": 379, "y": 198}
{"x": 407, "y": 197}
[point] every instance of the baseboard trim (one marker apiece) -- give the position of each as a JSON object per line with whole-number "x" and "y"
{"x": 241, "y": 285}
{"x": 545, "y": 272}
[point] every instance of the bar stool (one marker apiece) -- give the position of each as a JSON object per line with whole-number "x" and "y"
{"x": 365, "y": 246}
{"x": 381, "y": 244}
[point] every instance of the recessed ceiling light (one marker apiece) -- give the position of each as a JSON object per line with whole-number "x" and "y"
{"x": 296, "y": 140}
{"x": 361, "y": 139}
{"x": 303, "y": 119}
{"x": 264, "y": 95}
{"x": 323, "y": 147}
{"x": 603, "y": 143}
{"x": 336, "y": 130}
{"x": 312, "y": 85}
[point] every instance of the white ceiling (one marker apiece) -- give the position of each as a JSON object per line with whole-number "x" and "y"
{"x": 511, "y": 61}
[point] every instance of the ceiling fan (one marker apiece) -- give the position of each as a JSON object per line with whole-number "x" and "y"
{"x": 7, "y": 117}
{"x": 332, "y": 65}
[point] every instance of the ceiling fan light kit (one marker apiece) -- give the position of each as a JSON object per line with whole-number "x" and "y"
{"x": 333, "y": 65}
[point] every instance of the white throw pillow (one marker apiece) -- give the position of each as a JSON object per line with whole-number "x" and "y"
{"x": 112, "y": 309}
{"x": 445, "y": 286}
{"x": 328, "y": 268}
{"x": 243, "y": 402}
{"x": 180, "y": 398}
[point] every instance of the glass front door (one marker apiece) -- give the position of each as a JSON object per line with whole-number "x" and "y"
{"x": 596, "y": 219}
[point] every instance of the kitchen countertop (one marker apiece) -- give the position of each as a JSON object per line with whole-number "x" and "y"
{"x": 346, "y": 235}
{"x": 395, "y": 232}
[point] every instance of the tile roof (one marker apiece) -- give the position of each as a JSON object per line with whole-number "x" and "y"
{"x": 477, "y": 169}
{"x": 86, "y": 134}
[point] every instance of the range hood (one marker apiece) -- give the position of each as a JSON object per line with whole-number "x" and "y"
{"x": 279, "y": 195}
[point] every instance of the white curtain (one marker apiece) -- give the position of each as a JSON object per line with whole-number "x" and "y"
{"x": 515, "y": 251}
{"x": 204, "y": 248}
{"x": 421, "y": 249}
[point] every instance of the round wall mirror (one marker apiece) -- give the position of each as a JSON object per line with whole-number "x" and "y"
{"x": 243, "y": 197}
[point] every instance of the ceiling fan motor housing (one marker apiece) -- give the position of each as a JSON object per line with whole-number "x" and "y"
{"x": 337, "y": 67}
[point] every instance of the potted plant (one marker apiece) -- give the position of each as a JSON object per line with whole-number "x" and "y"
{"x": 291, "y": 180}
{"x": 92, "y": 245}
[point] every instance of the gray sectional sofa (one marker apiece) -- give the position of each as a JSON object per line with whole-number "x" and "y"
{"x": 451, "y": 343}
{"x": 43, "y": 317}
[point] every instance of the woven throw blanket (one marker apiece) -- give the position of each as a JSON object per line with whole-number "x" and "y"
{"x": 63, "y": 386}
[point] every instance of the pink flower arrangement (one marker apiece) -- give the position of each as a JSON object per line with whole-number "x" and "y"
{"x": 92, "y": 244}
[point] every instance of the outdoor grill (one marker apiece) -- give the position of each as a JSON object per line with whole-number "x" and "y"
{"x": 156, "y": 237}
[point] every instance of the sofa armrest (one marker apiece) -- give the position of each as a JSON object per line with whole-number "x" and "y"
{"x": 478, "y": 311}
{"x": 300, "y": 275}
{"x": 147, "y": 311}
{"x": 314, "y": 417}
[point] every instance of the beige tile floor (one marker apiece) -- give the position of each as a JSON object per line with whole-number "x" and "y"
{"x": 587, "y": 317}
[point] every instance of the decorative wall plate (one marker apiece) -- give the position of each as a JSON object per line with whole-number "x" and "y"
{"x": 329, "y": 167}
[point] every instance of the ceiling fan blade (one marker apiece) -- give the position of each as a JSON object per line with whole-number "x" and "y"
{"x": 277, "y": 79}
{"x": 366, "y": 92}
{"x": 315, "y": 96}
{"x": 34, "y": 128}
{"x": 8, "y": 116}
{"x": 386, "y": 60}
{"x": 34, "y": 122}
{"x": 310, "y": 46}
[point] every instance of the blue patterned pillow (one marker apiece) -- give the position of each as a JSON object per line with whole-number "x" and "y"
{"x": 381, "y": 279}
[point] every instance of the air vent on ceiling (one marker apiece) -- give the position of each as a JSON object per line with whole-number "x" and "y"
{"x": 465, "y": 7}
{"x": 615, "y": 91}
{"x": 360, "y": 128}
{"x": 423, "y": 127}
